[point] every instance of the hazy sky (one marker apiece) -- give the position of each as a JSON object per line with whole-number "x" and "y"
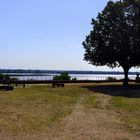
{"x": 46, "y": 34}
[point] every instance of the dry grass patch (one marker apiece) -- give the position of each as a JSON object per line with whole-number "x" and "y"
{"x": 94, "y": 111}
{"x": 91, "y": 101}
{"x": 35, "y": 108}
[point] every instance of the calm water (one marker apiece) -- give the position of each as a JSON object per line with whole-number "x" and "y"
{"x": 77, "y": 76}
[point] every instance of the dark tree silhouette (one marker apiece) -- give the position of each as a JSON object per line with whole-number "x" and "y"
{"x": 115, "y": 38}
{"x": 63, "y": 76}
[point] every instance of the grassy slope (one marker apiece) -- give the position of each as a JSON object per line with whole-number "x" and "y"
{"x": 36, "y": 108}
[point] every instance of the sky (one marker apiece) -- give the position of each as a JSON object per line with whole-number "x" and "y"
{"x": 46, "y": 34}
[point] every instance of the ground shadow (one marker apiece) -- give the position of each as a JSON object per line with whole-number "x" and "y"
{"x": 132, "y": 91}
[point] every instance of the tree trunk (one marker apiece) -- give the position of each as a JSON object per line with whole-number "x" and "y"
{"x": 125, "y": 81}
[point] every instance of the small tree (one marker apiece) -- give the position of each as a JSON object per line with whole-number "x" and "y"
{"x": 63, "y": 76}
{"x": 115, "y": 38}
{"x": 4, "y": 78}
{"x": 1, "y": 76}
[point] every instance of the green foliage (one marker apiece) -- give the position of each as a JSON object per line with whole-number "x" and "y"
{"x": 14, "y": 79}
{"x": 4, "y": 77}
{"x": 130, "y": 108}
{"x": 127, "y": 104}
{"x": 74, "y": 79}
{"x": 63, "y": 76}
{"x": 115, "y": 38}
{"x": 1, "y": 76}
{"x": 111, "y": 78}
{"x": 91, "y": 101}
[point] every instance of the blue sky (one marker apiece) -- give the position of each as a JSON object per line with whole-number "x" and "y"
{"x": 46, "y": 34}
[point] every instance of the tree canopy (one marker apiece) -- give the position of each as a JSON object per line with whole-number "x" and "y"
{"x": 115, "y": 38}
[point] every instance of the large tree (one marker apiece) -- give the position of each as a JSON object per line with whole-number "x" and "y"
{"x": 115, "y": 38}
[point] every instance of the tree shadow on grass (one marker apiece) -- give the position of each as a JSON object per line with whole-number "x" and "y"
{"x": 132, "y": 91}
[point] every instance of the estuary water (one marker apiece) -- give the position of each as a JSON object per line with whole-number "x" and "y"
{"x": 49, "y": 76}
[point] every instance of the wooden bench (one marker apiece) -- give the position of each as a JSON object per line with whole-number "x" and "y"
{"x": 6, "y": 88}
{"x": 58, "y": 84}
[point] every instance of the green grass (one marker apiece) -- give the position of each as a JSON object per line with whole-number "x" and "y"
{"x": 35, "y": 108}
{"x": 129, "y": 109}
{"x": 90, "y": 101}
{"x": 127, "y": 104}
{"x": 38, "y": 107}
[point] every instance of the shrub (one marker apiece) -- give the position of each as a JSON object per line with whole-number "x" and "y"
{"x": 111, "y": 79}
{"x": 4, "y": 77}
{"x": 63, "y": 76}
{"x": 74, "y": 79}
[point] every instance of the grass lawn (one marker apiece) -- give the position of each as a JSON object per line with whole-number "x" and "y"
{"x": 35, "y": 107}
{"x": 38, "y": 108}
{"x": 129, "y": 109}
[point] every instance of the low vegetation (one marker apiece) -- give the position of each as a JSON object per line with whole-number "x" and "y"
{"x": 5, "y": 78}
{"x": 111, "y": 78}
{"x": 91, "y": 101}
{"x": 41, "y": 109}
{"x": 62, "y": 76}
{"x": 129, "y": 109}
{"x": 37, "y": 107}
{"x": 34, "y": 108}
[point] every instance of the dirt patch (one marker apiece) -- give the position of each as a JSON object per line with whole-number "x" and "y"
{"x": 99, "y": 123}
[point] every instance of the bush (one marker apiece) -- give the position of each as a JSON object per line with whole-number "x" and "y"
{"x": 111, "y": 79}
{"x": 74, "y": 79}
{"x": 14, "y": 79}
{"x": 63, "y": 76}
{"x": 4, "y": 77}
